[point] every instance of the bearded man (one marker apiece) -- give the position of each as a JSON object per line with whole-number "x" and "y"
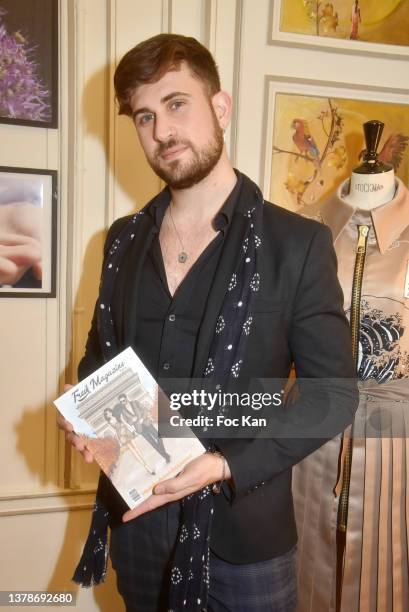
{"x": 209, "y": 280}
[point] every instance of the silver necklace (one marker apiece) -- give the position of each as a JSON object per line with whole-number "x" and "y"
{"x": 182, "y": 256}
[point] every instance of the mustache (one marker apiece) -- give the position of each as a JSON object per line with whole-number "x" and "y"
{"x": 169, "y": 144}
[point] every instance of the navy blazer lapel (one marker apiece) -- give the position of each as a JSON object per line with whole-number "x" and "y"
{"x": 228, "y": 260}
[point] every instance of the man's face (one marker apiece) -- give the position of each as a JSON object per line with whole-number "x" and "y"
{"x": 178, "y": 128}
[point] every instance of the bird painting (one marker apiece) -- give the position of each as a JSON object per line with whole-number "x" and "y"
{"x": 392, "y": 151}
{"x": 317, "y": 141}
{"x": 303, "y": 140}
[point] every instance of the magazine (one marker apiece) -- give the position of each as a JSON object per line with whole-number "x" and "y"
{"x": 116, "y": 408}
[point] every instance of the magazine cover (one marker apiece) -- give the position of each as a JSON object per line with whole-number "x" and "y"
{"x": 116, "y": 408}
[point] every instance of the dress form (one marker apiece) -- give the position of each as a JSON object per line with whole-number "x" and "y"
{"x": 373, "y": 182}
{"x": 375, "y": 571}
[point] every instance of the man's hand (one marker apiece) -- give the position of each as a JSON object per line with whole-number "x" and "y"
{"x": 78, "y": 442}
{"x": 196, "y": 474}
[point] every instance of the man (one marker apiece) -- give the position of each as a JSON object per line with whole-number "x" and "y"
{"x": 213, "y": 282}
{"x": 125, "y": 436}
{"x": 138, "y": 418}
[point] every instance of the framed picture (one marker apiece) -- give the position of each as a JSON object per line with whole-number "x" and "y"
{"x": 29, "y": 62}
{"x": 28, "y": 231}
{"x": 314, "y": 138}
{"x": 363, "y": 26}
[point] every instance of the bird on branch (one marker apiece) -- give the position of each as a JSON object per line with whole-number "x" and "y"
{"x": 304, "y": 141}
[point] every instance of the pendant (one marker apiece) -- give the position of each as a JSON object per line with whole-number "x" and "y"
{"x": 182, "y": 257}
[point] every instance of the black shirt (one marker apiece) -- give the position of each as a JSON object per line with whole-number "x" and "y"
{"x": 167, "y": 326}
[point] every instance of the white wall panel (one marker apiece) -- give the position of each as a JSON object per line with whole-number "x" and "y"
{"x": 40, "y": 553}
{"x": 133, "y": 182}
{"x": 23, "y": 393}
{"x": 188, "y": 18}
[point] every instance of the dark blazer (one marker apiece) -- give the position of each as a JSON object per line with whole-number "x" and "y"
{"x": 298, "y": 320}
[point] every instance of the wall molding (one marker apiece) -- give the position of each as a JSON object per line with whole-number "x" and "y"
{"x": 40, "y": 503}
{"x": 166, "y": 16}
{"x": 237, "y": 63}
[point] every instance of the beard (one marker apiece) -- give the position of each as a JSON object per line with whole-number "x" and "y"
{"x": 183, "y": 175}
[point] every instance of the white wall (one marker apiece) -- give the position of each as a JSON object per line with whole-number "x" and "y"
{"x": 45, "y": 494}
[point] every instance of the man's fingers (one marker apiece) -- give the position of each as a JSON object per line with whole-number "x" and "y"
{"x": 75, "y": 440}
{"x": 149, "y": 504}
{"x": 154, "y": 501}
{"x": 61, "y": 421}
{"x": 192, "y": 478}
{"x": 173, "y": 485}
{"x": 78, "y": 442}
{"x": 64, "y": 424}
{"x": 88, "y": 456}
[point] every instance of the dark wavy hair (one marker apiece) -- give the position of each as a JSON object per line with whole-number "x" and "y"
{"x": 152, "y": 58}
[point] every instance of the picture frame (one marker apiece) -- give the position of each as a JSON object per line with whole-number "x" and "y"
{"x": 28, "y": 232}
{"x": 278, "y": 35}
{"x": 302, "y": 178}
{"x": 29, "y": 57}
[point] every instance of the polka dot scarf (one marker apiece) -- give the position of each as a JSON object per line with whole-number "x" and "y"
{"x": 190, "y": 570}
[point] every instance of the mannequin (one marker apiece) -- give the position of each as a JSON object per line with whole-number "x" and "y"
{"x": 352, "y": 495}
{"x": 373, "y": 182}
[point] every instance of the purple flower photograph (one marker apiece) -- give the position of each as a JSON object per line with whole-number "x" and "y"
{"x": 28, "y": 62}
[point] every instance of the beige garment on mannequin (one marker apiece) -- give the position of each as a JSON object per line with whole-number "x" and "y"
{"x": 376, "y": 558}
